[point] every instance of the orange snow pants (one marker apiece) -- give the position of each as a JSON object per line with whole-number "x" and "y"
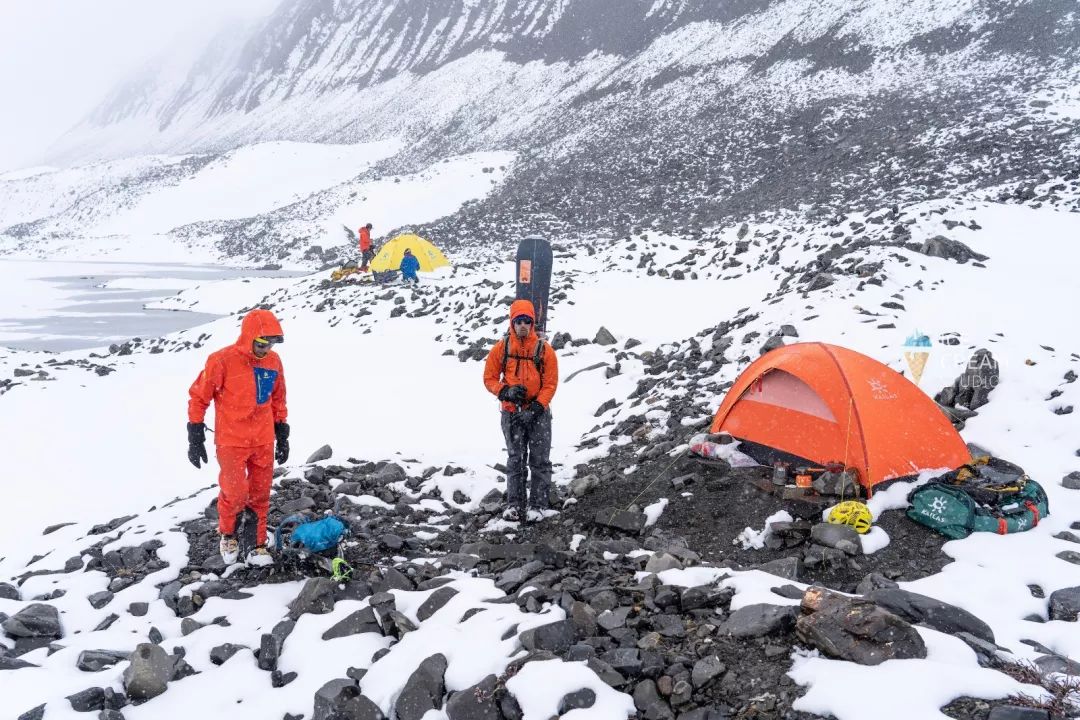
{"x": 245, "y": 480}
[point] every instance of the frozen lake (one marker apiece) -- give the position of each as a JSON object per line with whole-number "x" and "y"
{"x": 61, "y": 306}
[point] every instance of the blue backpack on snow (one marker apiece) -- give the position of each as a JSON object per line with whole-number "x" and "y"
{"x": 314, "y": 536}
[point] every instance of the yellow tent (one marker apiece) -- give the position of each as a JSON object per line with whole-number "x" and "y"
{"x": 390, "y": 254}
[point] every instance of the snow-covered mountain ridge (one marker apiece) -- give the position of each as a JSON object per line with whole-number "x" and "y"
{"x": 673, "y": 116}
{"x": 313, "y": 48}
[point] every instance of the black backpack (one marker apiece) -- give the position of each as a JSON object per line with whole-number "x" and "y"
{"x": 537, "y": 357}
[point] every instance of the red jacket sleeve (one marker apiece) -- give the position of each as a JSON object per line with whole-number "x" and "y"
{"x": 550, "y": 379}
{"x": 493, "y": 368}
{"x": 277, "y": 398}
{"x": 202, "y": 391}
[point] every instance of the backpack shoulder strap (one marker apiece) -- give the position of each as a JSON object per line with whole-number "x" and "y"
{"x": 538, "y": 355}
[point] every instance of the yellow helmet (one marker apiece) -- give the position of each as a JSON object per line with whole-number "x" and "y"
{"x": 853, "y": 513}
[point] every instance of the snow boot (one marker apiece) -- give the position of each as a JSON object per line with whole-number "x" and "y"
{"x": 537, "y": 514}
{"x": 259, "y": 557}
{"x": 230, "y": 549}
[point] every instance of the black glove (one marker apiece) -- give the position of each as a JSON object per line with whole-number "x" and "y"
{"x": 512, "y": 393}
{"x": 196, "y": 438}
{"x": 281, "y": 432}
{"x": 531, "y": 412}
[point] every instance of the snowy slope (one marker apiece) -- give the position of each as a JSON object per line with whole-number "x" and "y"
{"x": 77, "y": 194}
{"x": 377, "y": 383}
{"x": 248, "y": 181}
{"x": 279, "y": 202}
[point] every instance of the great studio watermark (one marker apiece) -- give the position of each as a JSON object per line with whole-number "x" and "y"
{"x": 976, "y": 368}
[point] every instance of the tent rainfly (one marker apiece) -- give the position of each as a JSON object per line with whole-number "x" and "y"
{"x": 390, "y": 254}
{"x": 827, "y": 403}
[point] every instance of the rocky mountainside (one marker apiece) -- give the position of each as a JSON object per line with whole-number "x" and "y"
{"x": 671, "y": 116}
{"x": 633, "y": 606}
{"x": 665, "y": 587}
{"x": 316, "y": 47}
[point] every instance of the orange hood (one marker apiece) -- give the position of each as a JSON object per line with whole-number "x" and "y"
{"x": 257, "y": 323}
{"x": 522, "y": 307}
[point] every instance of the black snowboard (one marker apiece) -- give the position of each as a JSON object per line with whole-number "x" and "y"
{"x": 534, "y": 276}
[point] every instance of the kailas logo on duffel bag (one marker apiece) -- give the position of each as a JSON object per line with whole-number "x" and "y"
{"x": 936, "y": 509}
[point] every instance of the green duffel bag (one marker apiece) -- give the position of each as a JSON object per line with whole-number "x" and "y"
{"x": 957, "y": 510}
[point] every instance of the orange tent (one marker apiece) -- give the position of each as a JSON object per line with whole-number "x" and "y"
{"x": 826, "y": 403}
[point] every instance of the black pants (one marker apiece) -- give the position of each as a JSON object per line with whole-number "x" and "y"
{"x": 366, "y": 259}
{"x": 528, "y": 446}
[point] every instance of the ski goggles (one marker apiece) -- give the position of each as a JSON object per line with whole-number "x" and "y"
{"x": 523, "y": 320}
{"x": 268, "y": 340}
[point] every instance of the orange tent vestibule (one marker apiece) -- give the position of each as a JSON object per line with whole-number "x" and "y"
{"x": 827, "y": 403}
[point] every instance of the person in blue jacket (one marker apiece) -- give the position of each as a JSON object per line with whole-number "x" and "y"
{"x": 409, "y": 265}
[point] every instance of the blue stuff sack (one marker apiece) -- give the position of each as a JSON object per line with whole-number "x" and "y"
{"x": 314, "y": 536}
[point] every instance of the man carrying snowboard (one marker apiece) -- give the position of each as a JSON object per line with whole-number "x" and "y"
{"x": 246, "y": 383}
{"x": 523, "y": 372}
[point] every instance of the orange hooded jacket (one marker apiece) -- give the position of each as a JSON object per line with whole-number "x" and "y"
{"x": 520, "y": 368}
{"x": 365, "y": 239}
{"x": 248, "y": 392}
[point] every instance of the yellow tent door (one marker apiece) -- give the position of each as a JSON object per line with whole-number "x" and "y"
{"x": 390, "y": 254}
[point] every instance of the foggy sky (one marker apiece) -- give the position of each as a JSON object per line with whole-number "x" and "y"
{"x": 60, "y": 58}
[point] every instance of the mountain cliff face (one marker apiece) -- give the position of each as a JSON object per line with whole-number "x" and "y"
{"x": 315, "y": 47}
{"x": 670, "y": 114}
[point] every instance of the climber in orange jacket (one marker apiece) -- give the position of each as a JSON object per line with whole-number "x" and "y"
{"x": 246, "y": 383}
{"x": 367, "y": 252}
{"x": 523, "y": 372}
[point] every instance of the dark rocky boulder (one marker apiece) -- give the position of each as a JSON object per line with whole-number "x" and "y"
{"x": 856, "y": 630}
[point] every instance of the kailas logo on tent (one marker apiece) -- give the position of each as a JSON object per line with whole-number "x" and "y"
{"x": 938, "y": 505}
{"x": 880, "y": 390}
